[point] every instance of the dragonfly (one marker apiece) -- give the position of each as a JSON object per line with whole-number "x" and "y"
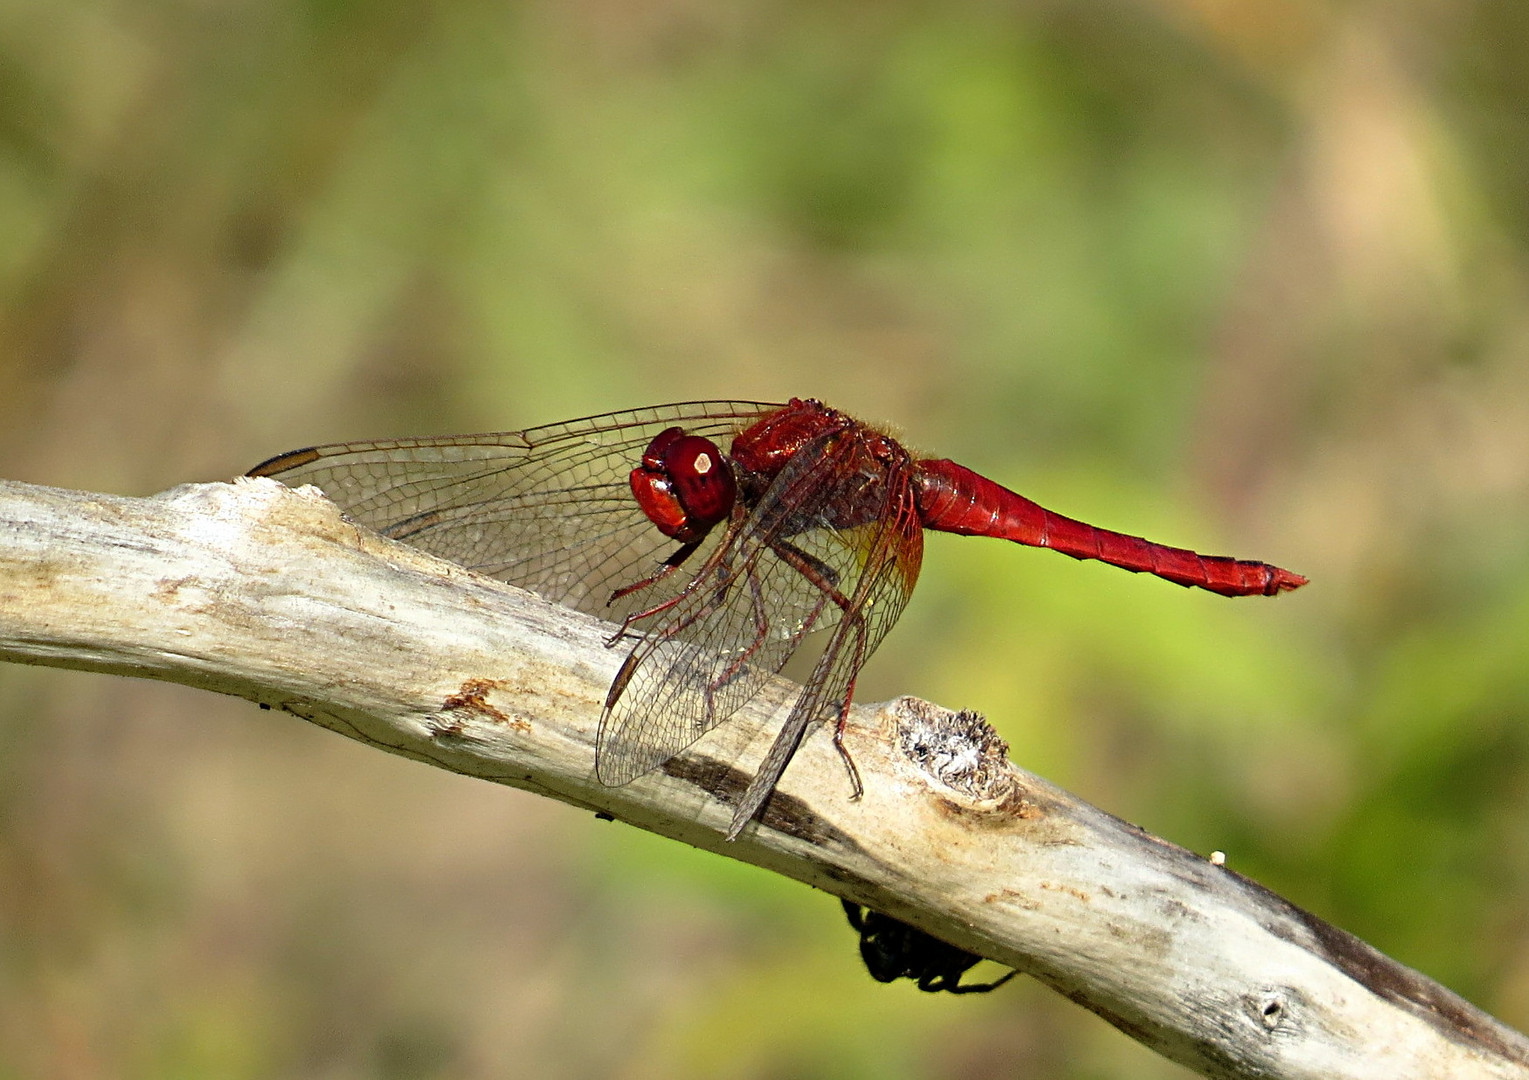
{"x": 720, "y": 537}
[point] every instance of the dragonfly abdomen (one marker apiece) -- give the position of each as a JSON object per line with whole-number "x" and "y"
{"x": 952, "y": 498}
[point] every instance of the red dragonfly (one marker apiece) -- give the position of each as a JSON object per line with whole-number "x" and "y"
{"x": 716, "y": 563}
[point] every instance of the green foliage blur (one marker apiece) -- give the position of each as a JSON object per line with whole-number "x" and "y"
{"x": 1245, "y": 276}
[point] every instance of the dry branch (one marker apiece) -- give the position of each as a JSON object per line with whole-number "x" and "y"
{"x": 268, "y": 594}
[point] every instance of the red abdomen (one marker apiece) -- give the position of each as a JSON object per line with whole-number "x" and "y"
{"x": 952, "y": 498}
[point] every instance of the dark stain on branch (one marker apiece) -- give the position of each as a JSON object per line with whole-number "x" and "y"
{"x": 783, "y": 813}
{"x": 472, "y": 699}
{"x": 1383, "y": 976}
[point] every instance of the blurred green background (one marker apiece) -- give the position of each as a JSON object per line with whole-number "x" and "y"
{"x": 1244, "y": 275}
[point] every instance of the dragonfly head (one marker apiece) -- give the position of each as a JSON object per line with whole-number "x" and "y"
{"x": 684, "y": 485}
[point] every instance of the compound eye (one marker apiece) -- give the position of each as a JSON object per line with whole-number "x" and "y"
{"x": 656, "y": 455}
{"x": 701, "y": 479}
{"x": 684, "y": 485}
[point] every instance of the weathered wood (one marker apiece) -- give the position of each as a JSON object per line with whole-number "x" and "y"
{"x": 255, "y": 590}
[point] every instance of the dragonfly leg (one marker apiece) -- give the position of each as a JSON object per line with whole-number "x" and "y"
{"x": 624, "y": 630}
{"x": 857, "y": 789}
{"x": 808, "y": 708}
{"x": 739, "y": 662}
{"x": 713, "y": 565}
{"x": 827, "y": 581}
{"x": 815, "y": 570}
{"x": 669, "y": 566}
{"x": 762, "y": 631}
{"x": 629, "y": 665}
{"x": 823, "y": 576}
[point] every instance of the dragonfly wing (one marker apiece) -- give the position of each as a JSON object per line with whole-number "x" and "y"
{"x": 548, "y": 509}
{"x": 746, "y": 613}
{"x": 892, "y": 551}
{"x": 750, "y": 608}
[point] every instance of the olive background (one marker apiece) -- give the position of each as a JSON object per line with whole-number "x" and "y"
{"x": 1248, "y": 276}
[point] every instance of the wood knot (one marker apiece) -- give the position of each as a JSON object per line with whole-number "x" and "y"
{"x": 960, "y": 750}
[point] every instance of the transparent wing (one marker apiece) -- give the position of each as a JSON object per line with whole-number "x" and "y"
{"x": 548, "y": 509}
{"x": 893, "y": 547}
{"x": 783, "y": 572}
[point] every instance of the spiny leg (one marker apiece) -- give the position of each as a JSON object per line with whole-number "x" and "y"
{"x": 857, "y": 789}
{"x": 762, "y": 614}
{"x": 814, "y": 569}
{"x": 826, "y": 579}
{"x": 714, "y": 563}
{"x": 761, "y": 631}
{"x": 669, "y": 566}
{"x": 626, "y": 624}
{"x": 636, "y": 655}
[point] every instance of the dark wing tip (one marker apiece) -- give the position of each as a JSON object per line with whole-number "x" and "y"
{"x": 283, "y": 462}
